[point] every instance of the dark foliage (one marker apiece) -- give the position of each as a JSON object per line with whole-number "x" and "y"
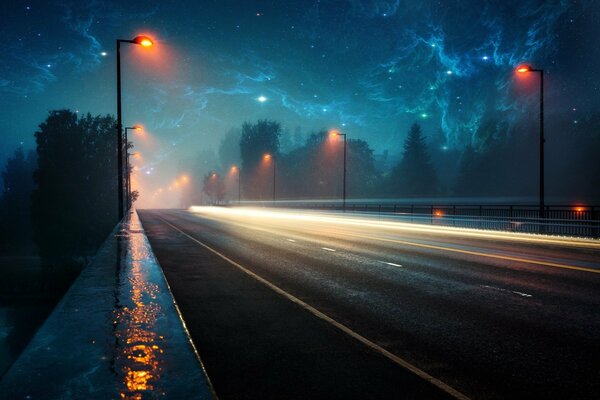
{"x": 15, "y": 204}
{"x": 257, "y": 140}
{"x": 74, "y": 203}
{"x": 414, "y": 175}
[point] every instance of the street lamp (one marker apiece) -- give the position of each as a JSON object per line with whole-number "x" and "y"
{"x": 136, "y": 128}
{"x": 234, "y": 168}
{"x": 143, "y": 41}
{"x": 268, "y": 157}
{"x": 336, "y": 133}
{"x": 526, "y": 69}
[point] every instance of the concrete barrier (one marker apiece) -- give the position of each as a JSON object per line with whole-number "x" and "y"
{"x": 117, "y": 333}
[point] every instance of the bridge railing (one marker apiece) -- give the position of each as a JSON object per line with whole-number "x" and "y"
{"x": 581, "y": 221}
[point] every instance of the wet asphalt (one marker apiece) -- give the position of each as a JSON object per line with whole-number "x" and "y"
{"x": 489, "y": 327}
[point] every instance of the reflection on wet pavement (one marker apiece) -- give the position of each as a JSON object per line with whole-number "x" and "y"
{"x": 139, "y": 360}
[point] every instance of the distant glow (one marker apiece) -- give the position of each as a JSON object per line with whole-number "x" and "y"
{"x": 267, "y": 157}
{"x": 334, "y": 133}
{"x": 438, "y": 213}
{"x": 104, "y": 54}
{"x": 137, "y": 128}
{"x": 262, "y": 99}
{"x": 485, "y": 58}
{"x": 449, "y": 72}
{"x": 579, "y": 209}
{"x": 424, "y": 115}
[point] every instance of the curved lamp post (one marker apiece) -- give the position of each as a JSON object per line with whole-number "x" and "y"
{"x": 144, "y": 41}
{"x": 136, "y": 128}
{"x": 336, "y": 133}
{"x": 523, "y": 69}
{"x": 268, "y": 157}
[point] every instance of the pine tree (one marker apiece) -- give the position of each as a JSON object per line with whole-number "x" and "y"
{"x": 414, "y": 175}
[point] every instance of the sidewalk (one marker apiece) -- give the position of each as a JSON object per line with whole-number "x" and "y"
{"x": 117, "y": 333}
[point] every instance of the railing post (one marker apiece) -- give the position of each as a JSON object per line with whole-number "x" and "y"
{"x": 595, "y": 223}
{"x": 454, "y": 215}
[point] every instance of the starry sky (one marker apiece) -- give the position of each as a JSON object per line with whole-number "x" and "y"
{"x": 369, "y": 67}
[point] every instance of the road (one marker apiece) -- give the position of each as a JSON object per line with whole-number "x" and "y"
{"x": 304, "y": 304}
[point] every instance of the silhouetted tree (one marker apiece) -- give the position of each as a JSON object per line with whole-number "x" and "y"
{"x": 229, "y": 149}
{"x": 15, "y": 204}
{"x": 362, "y": 175}
{"x": 74, "y": 203}
{"x": 214, "y": 187}
{"x": 256, "y": 140}
{"x": 414, "y": 175}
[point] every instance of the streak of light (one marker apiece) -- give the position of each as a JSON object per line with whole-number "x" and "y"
{"x": 315, "y": 217}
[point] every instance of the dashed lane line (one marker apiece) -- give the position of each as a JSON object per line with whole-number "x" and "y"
{"x": 391, "y": 264}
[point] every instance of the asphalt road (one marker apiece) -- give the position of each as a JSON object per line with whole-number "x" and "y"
{"x": 317, "y": 305}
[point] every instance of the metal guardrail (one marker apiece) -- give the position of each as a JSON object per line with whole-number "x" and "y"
{"x": 581, "y": 221}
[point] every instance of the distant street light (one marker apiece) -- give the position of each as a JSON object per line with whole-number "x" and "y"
{"x": 136, "y": 128}
{"x": 235, "y": 168}
{"x": 268, "y": 157}
{"x": 526, "y": 69}
{"x": 335, "y": 133}
{"x": 145, "y": 42}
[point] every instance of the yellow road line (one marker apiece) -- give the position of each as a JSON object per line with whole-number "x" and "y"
{"x": 391, "y": 356}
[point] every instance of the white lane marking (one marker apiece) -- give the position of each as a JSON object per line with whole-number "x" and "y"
{"x": 319, "y": 314}
{"x": 391, "y": 263}
{"x": 507, "y": 290}
{"x": 291, "y": 240}
{"x": 327, "y": 249}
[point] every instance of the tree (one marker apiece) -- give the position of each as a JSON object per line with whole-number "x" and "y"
{"x": 213, "y": 187}
{"x": 256, "y": 140}
{"x": 229, "y": 149}
{"x": 73, "y": 205}
{"x": 414, "y": 175}
{"x": 15, "y": 204}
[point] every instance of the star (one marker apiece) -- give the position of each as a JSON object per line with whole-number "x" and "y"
{"x": 261, "y": 99}
{"x": 104, "y": 54}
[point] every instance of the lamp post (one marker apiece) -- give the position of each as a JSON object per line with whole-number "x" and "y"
{"x": 145, "y": 42}
{"x": 336, "y": 133}
{"x": 269, "y": 157}
{"x": 525, "y": 69}
{"x": 239, "y": 176}
{"x": 136, "y": 128}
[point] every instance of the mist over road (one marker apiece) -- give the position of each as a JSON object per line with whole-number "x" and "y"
{"x": 490, "y": 315}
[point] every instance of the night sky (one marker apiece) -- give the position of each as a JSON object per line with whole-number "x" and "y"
{"x": 369, "y": 67}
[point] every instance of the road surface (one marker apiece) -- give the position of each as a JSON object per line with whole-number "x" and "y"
{"x": 321, "y": 305}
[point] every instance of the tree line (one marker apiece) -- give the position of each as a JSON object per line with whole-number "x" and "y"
{"x": 62, "y": 197}
{"x": 502, "y": 162}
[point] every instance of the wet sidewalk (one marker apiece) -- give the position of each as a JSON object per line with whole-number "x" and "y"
{"x": 116, "y": 334}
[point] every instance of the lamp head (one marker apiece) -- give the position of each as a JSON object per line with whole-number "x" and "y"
{"x": 524, "y": 68}
{"x": 144, "y": 41}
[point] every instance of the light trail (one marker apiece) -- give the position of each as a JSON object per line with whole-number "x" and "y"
{"x": 315, "y": 217}
{"x": 253, "y": 218}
